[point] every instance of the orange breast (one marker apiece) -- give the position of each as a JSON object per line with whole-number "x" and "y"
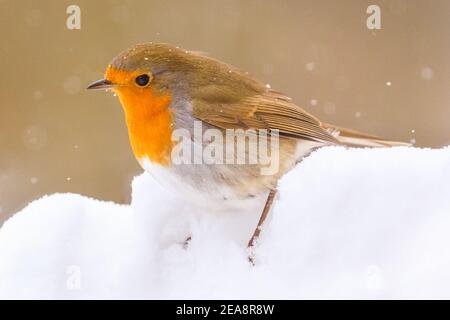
{"x": 149, "y": 123}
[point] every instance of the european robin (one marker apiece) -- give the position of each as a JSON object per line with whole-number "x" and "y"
{"x": 164, "y": 90}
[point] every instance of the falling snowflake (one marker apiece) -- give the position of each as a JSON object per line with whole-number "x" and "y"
{"x": 426, "y": 73}
{"x": 310, "y": 66}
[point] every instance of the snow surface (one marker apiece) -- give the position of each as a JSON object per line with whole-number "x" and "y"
{"x": 348, "y": 223}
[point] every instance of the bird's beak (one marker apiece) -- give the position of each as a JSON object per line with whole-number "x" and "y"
{"x": 100, "y": 84}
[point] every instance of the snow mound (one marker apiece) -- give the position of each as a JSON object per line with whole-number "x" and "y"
{"x": 348, "y": 223}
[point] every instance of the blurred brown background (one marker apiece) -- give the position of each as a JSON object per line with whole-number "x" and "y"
{"x": 57, "y": 137}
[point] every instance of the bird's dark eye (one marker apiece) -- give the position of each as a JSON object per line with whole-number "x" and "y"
{"x": 142, "y": 80}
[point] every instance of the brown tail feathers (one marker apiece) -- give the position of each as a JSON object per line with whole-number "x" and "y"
{"x": 354, "y": 138}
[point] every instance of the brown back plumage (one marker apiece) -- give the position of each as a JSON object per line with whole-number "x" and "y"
{"x": 225, "y": 97}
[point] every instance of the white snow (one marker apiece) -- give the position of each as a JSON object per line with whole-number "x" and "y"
{"x": 348, "y": 223}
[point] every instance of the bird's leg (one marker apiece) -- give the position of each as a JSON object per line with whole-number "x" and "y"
{"x": 263, "y": 217}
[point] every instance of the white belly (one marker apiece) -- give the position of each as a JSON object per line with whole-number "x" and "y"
{"x": 200, "y": 188}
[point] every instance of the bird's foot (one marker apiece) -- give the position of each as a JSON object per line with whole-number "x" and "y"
{"x": 186, "y": 242}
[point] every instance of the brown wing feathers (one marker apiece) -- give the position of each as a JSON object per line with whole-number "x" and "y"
{"x": 264, "y": 111}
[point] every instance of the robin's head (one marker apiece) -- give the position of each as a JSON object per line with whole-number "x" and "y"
{"x": 145, "y": 73}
